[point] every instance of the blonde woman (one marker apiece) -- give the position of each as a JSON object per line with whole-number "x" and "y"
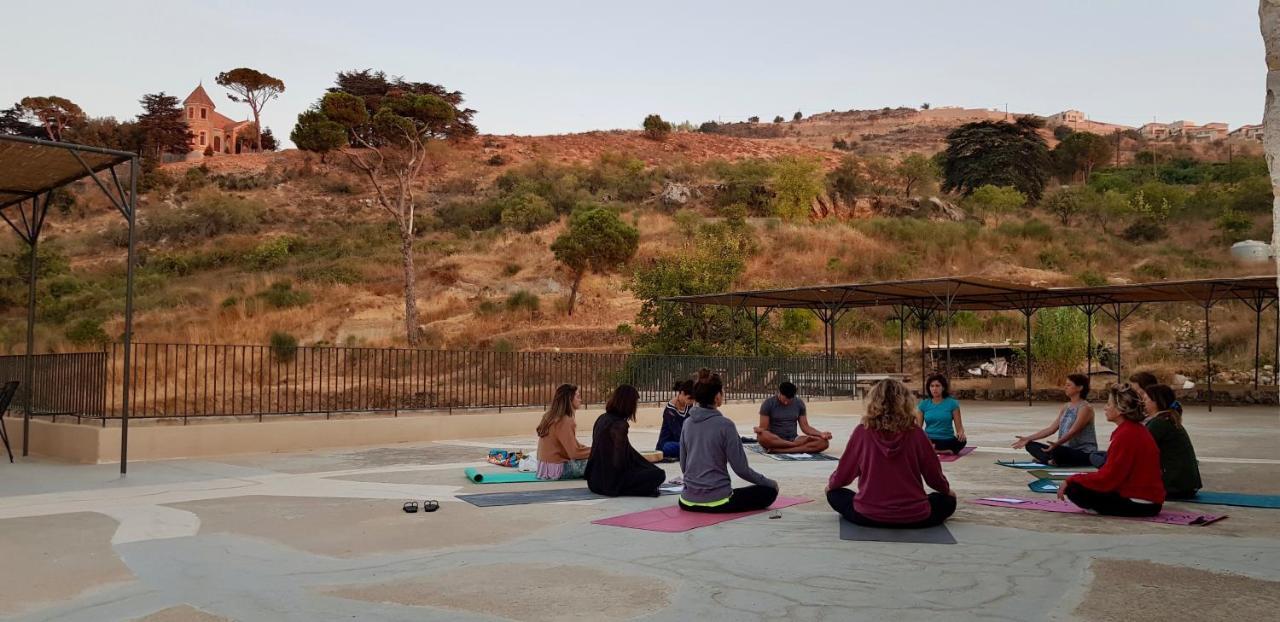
{"x": 889, "y": 454}
{"x": 560, "y": 455}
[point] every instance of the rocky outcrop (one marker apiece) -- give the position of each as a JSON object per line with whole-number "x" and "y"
{"x": 675, "y": 195}
{"x": 931, "y": 208}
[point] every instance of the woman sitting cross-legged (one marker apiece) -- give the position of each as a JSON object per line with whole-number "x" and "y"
{"x": 560, "y": 455}
{"x": 1178, "y": 462}
{"x": 615, "y": 468}
{"x": 888, "y": 454}
{"x": 1129, "y": 484}
{"x": 709, "y": 447}
{"x": 940, "y": 416}
{"x": 1076, "y": 441}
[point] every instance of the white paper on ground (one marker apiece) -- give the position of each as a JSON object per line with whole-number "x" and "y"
{"x": 1063, "y": 472}
{"x": 1004, "y": 499}
{"x": 800, "y": 456}
{"x": 671, "y": 488}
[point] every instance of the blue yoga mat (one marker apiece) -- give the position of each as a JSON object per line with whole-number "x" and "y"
{"x": 1237, "y": 499}
{"x": 1044, "y": 485}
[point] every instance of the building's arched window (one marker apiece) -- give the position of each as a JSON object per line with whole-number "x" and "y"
{"x": 204, "y": 112}
{"x": 202, "y": 139}
{"x": 217, "y": 143}
{"x": 191, "y": 112}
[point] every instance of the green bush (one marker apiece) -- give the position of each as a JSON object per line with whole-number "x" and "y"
{"x": 1058, "y": 341}
{"x": 1090, "y": 278}
{"x": 1152, "y": 272}
{"x": 283, "y": 346}
{"x": 746, "y": 183}
{"x": 1252, "y": 196}
{"x": 195, "y": 178}
{"x": 989, "y": 199}
{"x": 655, "y": 127}
{"x": 470, "y": 214}
{"x": 503, "y": 345}
{"x": 796, "y": 183}
{"x": 209, "y": 213}
{"x": 330, "y": 274}
{"x": 269, "y": 254}
{"x": 1145, "y": 230}
{"x": 1233, "y": 226}
{"x": 526, "y": 212}
{"x": 282, "y": 295}
{"x": 847, "y": 181}
{"x": 523, "y": 300}
{"x": 620, "y": 177}
{"x": 87, "y": 333}
{"x": 487, "y": 307}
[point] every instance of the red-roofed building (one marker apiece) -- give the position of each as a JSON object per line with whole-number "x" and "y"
{"x": 210, "y": 130}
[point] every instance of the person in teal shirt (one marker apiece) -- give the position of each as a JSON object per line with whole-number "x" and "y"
{"x": 940, "y": 416}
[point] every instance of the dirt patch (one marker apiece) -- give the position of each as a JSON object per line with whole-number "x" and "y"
{"x": 349, "y": 528}
{"x": 183, "y": 613}
{"x": 1133, "y": 591}
{"x": 538, "y": 593}
{"x": 73, "y": 554}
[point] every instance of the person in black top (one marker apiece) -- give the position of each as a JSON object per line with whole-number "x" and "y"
{"x": 615, "y": 468}
{"x": 673, "y": 416}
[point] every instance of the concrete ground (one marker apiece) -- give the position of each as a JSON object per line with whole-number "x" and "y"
{"x": 320, "y": 536}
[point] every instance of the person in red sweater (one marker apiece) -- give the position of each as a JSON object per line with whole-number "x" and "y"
{"x": 888, "y": 454}
{"x": 1130, "y": 482}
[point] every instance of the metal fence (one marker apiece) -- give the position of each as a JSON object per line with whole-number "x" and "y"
{"x": 191, "y": 380}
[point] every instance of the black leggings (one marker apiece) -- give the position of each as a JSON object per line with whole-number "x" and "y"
{"x": 1109, "y": 503}
{"x": 1061, "y": 455}
{"x": 953, "y": 445}
{"x": 639, "y": 482}
{"x": 742, "y": 500}
{"x": 941, "y": 507}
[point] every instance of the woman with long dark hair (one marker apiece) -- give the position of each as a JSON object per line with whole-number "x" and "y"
{"x": 1077, "y": 441}
{"x": 709, "y": 447}
{"x": 940, "y": 415}
{"x": 1178, "y": 464}
{"x": 560, "y": 455}
{"x": 615, "y": 468}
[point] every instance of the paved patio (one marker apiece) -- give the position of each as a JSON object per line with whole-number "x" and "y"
{"x": 320, "y": 536}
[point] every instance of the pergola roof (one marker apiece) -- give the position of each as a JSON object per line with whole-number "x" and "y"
{"x": 981, "y": 294}
{"x": 30, "y": 167}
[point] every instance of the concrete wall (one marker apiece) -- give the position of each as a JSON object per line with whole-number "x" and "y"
{"x": 164, "y": 439}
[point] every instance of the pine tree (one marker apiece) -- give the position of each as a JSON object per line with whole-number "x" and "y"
{"x": 162, "y": 126}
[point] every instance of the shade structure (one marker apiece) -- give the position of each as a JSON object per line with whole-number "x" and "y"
{"x": 30, "y": 171}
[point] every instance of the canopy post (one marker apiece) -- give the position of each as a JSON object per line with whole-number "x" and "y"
{"x": 132, "y": 217}
{"x": 900, "y": 313}
{"x": 1027, "y": 313}
{"x": 29, "y": 361}
{"x": 1208, "y": 357}
{"x": 1089, "y": 310}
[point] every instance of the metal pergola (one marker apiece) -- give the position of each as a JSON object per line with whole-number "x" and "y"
{"x": 30, "y": 171}
{"x": 926, "y": 299}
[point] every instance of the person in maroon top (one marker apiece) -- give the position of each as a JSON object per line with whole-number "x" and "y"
{"x": 1130, "y": 482}
{"x": 888, "y": 454}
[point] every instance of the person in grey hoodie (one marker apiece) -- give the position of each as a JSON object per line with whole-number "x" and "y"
{"x": 709, "y": 446}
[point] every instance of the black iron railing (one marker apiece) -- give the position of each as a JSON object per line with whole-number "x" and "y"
{"x": 191, "y": 380}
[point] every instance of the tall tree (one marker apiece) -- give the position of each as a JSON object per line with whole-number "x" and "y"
{"x": 390, "y": 147}
{"x": 318, "y": 133}
{"x": 252, "y": 87}
{"x": 56, "y": 114}
{"x": 105, "y": 132}
{"x": 14, "y": 122}
{"x": 997, "y": 153}
{"x": 1081, "y": 152}
{"x": 596, "y": 241}
{"x": 269, "y": 142}
{"x": 1269, "y": 19}
{"x": 916, "y": 169}
{"x": 162, "y": 126}
{"x": 373, "y": 86}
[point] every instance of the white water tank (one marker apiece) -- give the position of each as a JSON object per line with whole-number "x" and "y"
{"x": 1251, "y": 251}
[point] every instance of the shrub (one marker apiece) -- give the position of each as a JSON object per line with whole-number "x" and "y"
{"x": 847, "y": 181}
{"x": 989, "y": 199}
{"x": 269, "y": 254}
{"x": 753, "y": 119}
{"x": 210, "y": 213}
{"x": 1058, "y": 341}
{"x": 778, "y": 119}
{"x": 229, "y": 301}
{"x": 470, "y": 215}
{"x": 709, "y": 127}
{"x": 338, "y": 185}
{"x": 746, "y": 183}
{"x": 1144, "y": 230}
{"x": 797, "y": 116}
{"x": 1092, "y": 279}
{"x": 487, "y": 307}
{"x": 796, "y": 183}
{"x": 87, "y": 333}
{"x": 503, "y": 345}
{"x": 1152, "y": 272}
{"x": 511, "y": 269}
{"x": 282, "y": 295}
{"x": 283, "y": 346}
{"x": 1233, "y": 226}
{"x": 497, "y": 159}
{"x": 655, "y": 128}
{"x": 620, "y": 177}
{"x": 331, "y": 274}
{"x": 523, "y": 300}
{"x": 195, "y": 178}
{"x": 1253, "y": 195}
{"x": 526, "y": 212}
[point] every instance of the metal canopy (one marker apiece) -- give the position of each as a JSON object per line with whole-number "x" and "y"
{"x": 980, "y": 294}
{"x": 30, "y": 170}
{"x": 30, "y": 167}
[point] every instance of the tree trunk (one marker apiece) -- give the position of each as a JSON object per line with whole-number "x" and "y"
{"x": 1269, "y": 17}
{"x": 573, "y": 290}
{"x": 257, "y": 131}
{"x": 410, "y": 295}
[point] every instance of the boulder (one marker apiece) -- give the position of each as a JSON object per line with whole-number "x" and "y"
{"x": 675, "y": 194}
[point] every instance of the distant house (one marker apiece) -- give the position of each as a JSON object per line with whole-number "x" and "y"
{"x": 1247, "y": 132}
{"x": 1066, "y": 117}
{"x": 1154, "y": 131}
{"x": 210, "y": 131}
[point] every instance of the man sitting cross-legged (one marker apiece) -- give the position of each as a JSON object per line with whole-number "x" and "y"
{"x": 780, "y": 415}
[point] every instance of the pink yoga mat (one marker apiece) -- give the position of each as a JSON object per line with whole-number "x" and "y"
{"x": 672, "y": 519}
{"x": 1067, "y": 507}
{"x": 950, "y": 457}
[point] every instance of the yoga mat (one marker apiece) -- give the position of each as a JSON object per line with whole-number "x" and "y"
{"x": 791, "y": 457}
{"x": 1066, "y": 507}
{"x": 1054, "y": 474}
{"x": 949, "y": 457}
{"x": 1027, "y": 464}
{"x": 1043, "y": 485}
{"x": 1237, "y": 499}
{"x": 671, "y": 519}
{"x": 523, "y": 497}
{"x": 508, "y": 477}
{"x": 928, "y": 535}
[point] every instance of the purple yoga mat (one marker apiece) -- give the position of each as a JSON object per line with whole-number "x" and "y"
{"x": 949, "y": 457}
{"x": 1067, "y": 507}
{"x": 672, "y": 519}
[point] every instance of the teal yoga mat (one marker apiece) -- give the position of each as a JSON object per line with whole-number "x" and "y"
{"x": 1044, "y": 485}
{"x": 1029, "y": 465}
{"x": 511, "y": 477}
{"x": 1237, "y": 499}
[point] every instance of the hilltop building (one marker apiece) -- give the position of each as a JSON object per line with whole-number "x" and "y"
{"x": 1247, "y": 132}
{"x": 210, "y": 130}
{"x": 1079, "y": 122}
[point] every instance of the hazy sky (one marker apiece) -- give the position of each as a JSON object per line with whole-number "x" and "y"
{"x": 541, "y": 66}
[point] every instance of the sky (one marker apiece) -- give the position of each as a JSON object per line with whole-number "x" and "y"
{"x": 559, "y": 66}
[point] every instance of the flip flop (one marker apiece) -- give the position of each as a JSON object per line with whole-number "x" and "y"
{"x": 411, "y": 507}
{"x": 430, "y": 505}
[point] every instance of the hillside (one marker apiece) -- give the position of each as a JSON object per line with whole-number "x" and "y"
{"x": 235, "y": 249}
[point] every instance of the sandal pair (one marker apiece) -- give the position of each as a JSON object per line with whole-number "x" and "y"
{"x": 431, "y": 505}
